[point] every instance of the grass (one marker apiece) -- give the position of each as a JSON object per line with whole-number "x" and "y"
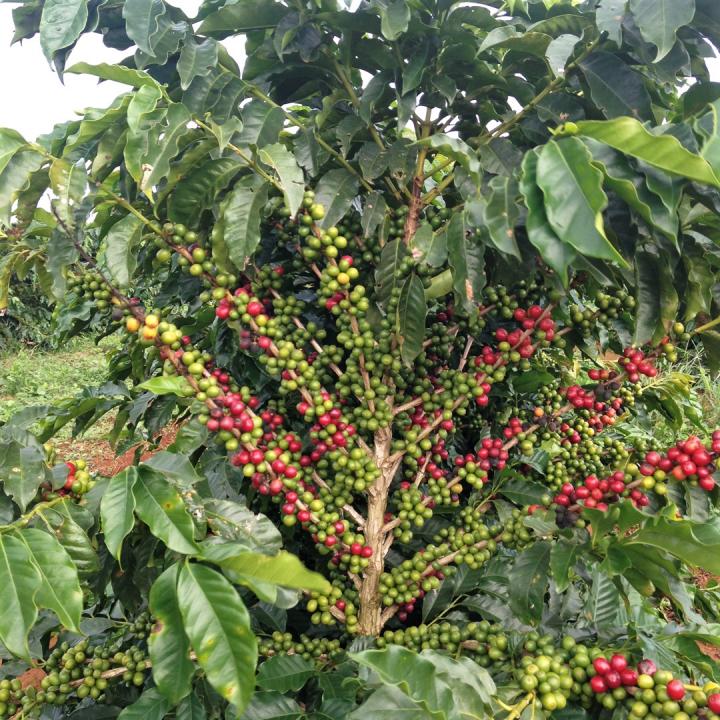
{"x": 44, "y": 377}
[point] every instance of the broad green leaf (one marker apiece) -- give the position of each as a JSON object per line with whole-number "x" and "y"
{"x": 59, "y": 588}
{"x": 233, "y": 521}
{"x": 117, "y": 509}
{"x": 22, "y": 471}
{"x": 608, "y": 18}
{"x": 506, "y": 36}
{"x": 151, "y": 705}
{"x": 166, "y": 385}
{"x": 701, "y": 281}
{"x": 459, "y": 151}
{"x": 335, "y": 191}
{"x": 74, "y": 538}
{"x": 116, "y": 73}
{"x": 657, "y": 299}
{"x": 121, "y": 248}
{"x": 562, "y": 559}
{"x": 239, "y": 222}
{"x": 574, "y": 198}
{"x": 290, "y": 174}
{"x": 430, "y": 246}
{"x": 19, "y": 584}
{"x": 556, "y": 253}
{"x": 660, "y": 151}
{"x": 390, "y": 701}
{"x": 68, "y": 182}
{"x": 501, "y": 214}
{"x": 529, "y": 581}
{"x": 142, "y": 20}
{"x": 16, "y": 177}
{"x": 559, "y": 51}
{"x": 159, "y": 505}
{"x": 191, "y": 708}
{"x": 94, "y": 124}
{"x": 284, "y": 673}
{"x": 615, "y": 87}
{"x": 243, "y": 17}
{"x": 443, "y": 688}
{"x": 177, "y": 468}
{"x": 218, "y": 625}
{"x": 697, "y": 544}
{"x": 373, "y": 213}
{"x": 387, "y": 276}
{"x": 196, "y": 59}
{"x": 632, "y": 187}
{"x": 394, "y": 18}
{"x": 10, "y": 142}
{"x": 466, "y": 256}
{"x": 411, "y": 313}
{"x": 272, "y": 705}
{"x": 61, "y": 24}
{"x": 603, "y": 601}
{"x": 168, "y": 644}
{"x": 283, "y": 569}
{"x": 262, "y": 124}
{"x": 659, "y": 21}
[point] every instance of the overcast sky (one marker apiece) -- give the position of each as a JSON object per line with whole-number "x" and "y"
{"x": 33, "y": 97}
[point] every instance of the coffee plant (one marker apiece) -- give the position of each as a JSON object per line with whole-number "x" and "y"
{"x": 412, "y": 286}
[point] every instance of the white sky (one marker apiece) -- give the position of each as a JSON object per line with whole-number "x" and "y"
{"x": 33, "y": 97}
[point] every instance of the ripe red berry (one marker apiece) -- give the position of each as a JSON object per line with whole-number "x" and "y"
{"x": 598, "y": 684}
{"x": 629, "y": 677}
{"x": 713, "y": 703}
{"x": 618, "y": 662}
{"x": 254, "y": 308}
{"x": 601, "y": 665}
{"x": 676, "y": 689}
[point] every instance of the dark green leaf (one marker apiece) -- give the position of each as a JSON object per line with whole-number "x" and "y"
{"x": 151, "y": 705}
{"x": 284, "y": 673}
{"x": 121, "y": 251}
{"x": 196, "y": 59}
{"x": 411, "y": 312}
{"x": 335, "y": 192}
{"x": 659, "y": 21}
{"x": 61, "y": 24}
{"x": 529, "y": 581}
{"x": 466, "y": 256}
{"x": 291, "y": 177}
{"x": 117, "y": 509}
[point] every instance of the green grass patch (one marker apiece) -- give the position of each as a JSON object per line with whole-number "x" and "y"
{"x": 44, "y": 377}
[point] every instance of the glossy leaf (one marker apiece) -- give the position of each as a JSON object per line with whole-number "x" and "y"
{"x": 19, "y": 583}
{"x": 574, "y": 198}
{"x": 466, "y": 257}
{"x": 284, "y": 673}
{"x": 218, "y": 625}
{"x": 608, "y": 18}
{"x": 116, "y": 73}
{"x": 335, "y": 191}
{"x": 243, "y": 17}
{"x": 121, "y": 251}
{"x": 59, "y": 588}
{"x": 161, "y": 508}
{"x": 151, "y": 705}
{"x": 291, "y": 176}
{"x": 395, "y": 17}
{"x": 168, "y": 644}
{"x": 659, "y": 21}
{"x": 117, "y": 509}
{"x": 501, "y": 214}
{"x": 563, "y": 557}
{"x": 166, "y": 385}
{"x": 458, "y": 150}
{"x": 529, "y": 581}
{"x": 411, "y": 312}
{"x": 660, "y": 151}
{"x": 196, "y": 59}
{"x": 236, "y": 522}
{"x": 389, "y": 700}
{"x": 61, "y": 24}
{"x": 142, "y": 21}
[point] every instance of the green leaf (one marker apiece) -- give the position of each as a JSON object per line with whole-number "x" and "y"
{"x": 660, "y": 151}
{"x": 196, "y": 59}
{"x": 459, "y": 151}
{"x": 603, "y": 601}
{"x": 262, "y": 124}
{"x": 466, "y": 256}
{"x": 387, "y": 276}
{"x": 271, "y": 705}
{"x": 218, "y": 625}
{"x": 74, "y": 539}
{"x": 142, "y": 21}
{"x": 615, "y": 87}
{"x": 657, "y": 299}
{"x": 411, "y": 313}
{"x": 151, "y": 705}
{"x": 177, "y": 468}
{"x": 632, "y": 187}
{"x": 166, "y": 385}
{"x": 443, "y": 687}
{"x": 233, "y": 521}
{"x": 10, "y": 142}
{"x": 373, "y": 213}
{"x": 284, "y": 673}
{"x": 430, "y": 246}
{"x": 191, "y": 708}
{"x": 121, "y": 250}
{"x": 700, "y": 280}
{"x": 243, "y": 17}
{"x": 61, "y": 24}
{"x": 563, "y": 557}
{"x": 501, "y": 214}
{"x": 161, "y": 508}
{"x": 696, "y": 544}
{"x": 559, "y": 51}
{"x": 22, "y": 471}
{"x": 288, "y": 171}
{"x": 659, "y": 21}
{"x": 16, "y": 177}
{"x": 335, "y": 191}
{"x": 283, "y": 569}
{"x": 390, "y": 701}
{"x": 117, "y": 509}
{"x": 239, "y": 222}
{"x": 394, "y": 19}
{"x": 574, "y": 198}
{"x": 557, "y": 254}
{"x": 59, "y": 588}
{"x": 168, "y": 644}
{"x": 529, "y": 582}
{"x": 608, "y": 18}
{"x": 116, "y": 73}
{"x": 19, "y": 583}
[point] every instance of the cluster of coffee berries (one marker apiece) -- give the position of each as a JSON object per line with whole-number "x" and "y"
{"x": 687, "y": 461}
{"x": 316, "y": 649}
{"x": 598, "y": 494}
{"x": 91, "y": 285}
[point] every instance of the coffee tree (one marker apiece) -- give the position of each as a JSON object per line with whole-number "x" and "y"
{"x": 412, "y": 285}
